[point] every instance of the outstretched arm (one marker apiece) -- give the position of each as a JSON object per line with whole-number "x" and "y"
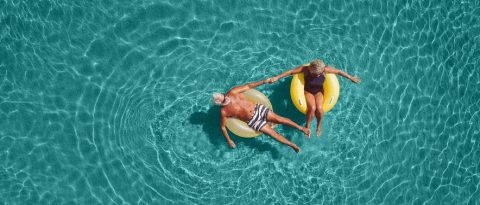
{"x": 243, "y": 88}
{"x": 330, "y": 69}
{"x": 224, "y": 129}
{"x": 285, "y": 74}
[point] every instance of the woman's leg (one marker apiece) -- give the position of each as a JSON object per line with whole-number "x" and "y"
{"x": 311, "y": 107}
{"x": 269, "y": 131}
{"x": 272, "y": 117}
{"x": 319, "y": 111}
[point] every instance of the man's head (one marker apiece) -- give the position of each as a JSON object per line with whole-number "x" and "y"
{"x": 220, "y": 99}
{"x": 316, "y": 67}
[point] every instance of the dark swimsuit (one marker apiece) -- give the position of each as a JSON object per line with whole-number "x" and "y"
{"x": 314, "y": 84}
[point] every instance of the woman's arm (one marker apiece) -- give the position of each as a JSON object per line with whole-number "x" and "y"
{"x": 330, "y": 69}
{"x": 285, "y": 74}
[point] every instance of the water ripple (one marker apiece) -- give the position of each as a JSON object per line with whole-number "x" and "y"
{"x": 109, "y": 102}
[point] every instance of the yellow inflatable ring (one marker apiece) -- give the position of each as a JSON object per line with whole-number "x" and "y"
{"x": 241, "y": 128}
{"x": 331, "y": 91}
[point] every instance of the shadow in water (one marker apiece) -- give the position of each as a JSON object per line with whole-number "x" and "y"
{"x": 210, "y": 122}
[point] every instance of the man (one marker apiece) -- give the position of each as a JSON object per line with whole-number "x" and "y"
{"x": 234, "y": 104}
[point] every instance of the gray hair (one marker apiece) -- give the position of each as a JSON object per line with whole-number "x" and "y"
{"x": 219, "y": 98}
{"x": 316, "y": 67}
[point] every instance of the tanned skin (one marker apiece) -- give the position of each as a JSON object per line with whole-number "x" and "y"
{"x": 239, "y": 107}
{"x": 314, "y": 101}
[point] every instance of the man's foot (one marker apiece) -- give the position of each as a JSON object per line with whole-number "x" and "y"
{"x": 306, "y": 131}
{"x": 294, "y": 147}
{"x": 319, "y": 130}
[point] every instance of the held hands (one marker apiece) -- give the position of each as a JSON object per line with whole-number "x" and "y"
{"x": 271, "y": 80}
{"x": 355, "y": 79}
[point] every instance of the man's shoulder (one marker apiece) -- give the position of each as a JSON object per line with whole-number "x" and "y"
{"x": 232, "y": 93}
{"x": 226, "y": 111}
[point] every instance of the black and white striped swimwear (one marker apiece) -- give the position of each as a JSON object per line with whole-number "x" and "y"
{"x": 259, "y": 118}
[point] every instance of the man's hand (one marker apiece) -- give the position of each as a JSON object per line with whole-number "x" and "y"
{"x": 355, "y": 79}
{"x": 231, "y": 144}
{"x": 271, "y": 80}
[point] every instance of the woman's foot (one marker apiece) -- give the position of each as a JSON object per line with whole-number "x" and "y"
{"x": 319, "y": 130}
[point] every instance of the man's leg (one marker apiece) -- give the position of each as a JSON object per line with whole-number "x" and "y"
{"x": 272, "y": 117}
{"x": 319, "y": 111}
{"x": 269, "y": 131}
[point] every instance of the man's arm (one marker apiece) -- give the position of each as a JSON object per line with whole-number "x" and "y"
{"x": 330, "y": 69}
{"x": 285, "y": 74}
{"x": 224, "y": 129}
{"x": 243, "y": 88}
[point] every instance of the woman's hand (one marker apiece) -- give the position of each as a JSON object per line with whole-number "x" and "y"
{"x": 355, "y": 79}
{"x": 271, "y": 80}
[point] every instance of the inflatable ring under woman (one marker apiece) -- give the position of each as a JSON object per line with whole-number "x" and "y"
{"x": 241, "y": 128}
{"x": 331, "y": 91}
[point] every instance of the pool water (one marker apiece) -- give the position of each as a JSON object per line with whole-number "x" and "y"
{"x": 109, "y": 102}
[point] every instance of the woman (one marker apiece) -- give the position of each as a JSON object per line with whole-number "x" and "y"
{"x": 314, "y": 77}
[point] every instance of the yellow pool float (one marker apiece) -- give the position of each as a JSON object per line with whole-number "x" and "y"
{"x": 331, "y": 91}
{"x": 241, "y": 128}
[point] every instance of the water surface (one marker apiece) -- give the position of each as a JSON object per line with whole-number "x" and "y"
{"x": 108, "y": 102}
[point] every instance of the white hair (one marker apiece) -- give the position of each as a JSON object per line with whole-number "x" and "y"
{"x": 218, "y": 99}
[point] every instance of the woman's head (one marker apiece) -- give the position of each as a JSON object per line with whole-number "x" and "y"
{"x": 220, "y": 99}
{"x": 316, "y": 67}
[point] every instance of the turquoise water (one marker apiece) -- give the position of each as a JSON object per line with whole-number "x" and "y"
{"x": 108, "y": 102}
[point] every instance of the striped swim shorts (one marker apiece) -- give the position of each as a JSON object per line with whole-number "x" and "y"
{"x": 259, "y": 118}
